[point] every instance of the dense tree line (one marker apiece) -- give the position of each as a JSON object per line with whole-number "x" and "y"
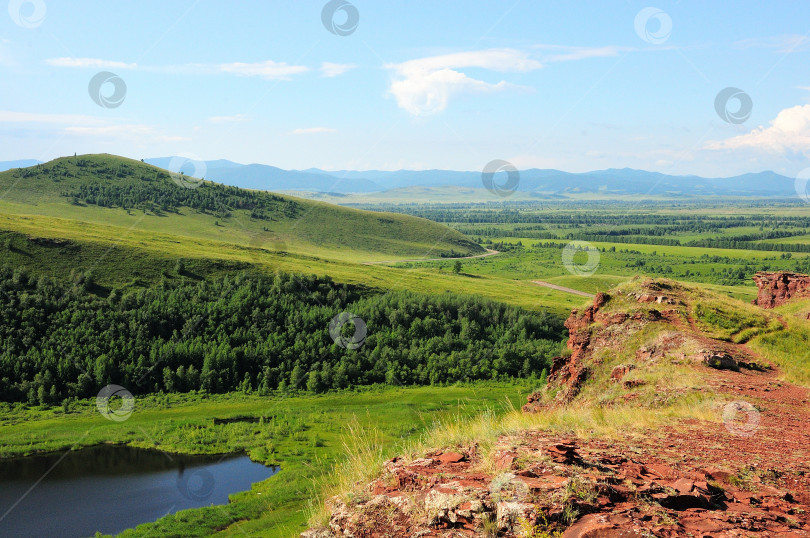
{"x": 207, "y": 198}
{"x": 644, "y": 222}
{"x": 252, "y": 333}
{"x": 157, "y": 194}
{"x": 120, "y": 184}
{"x": 626, "y": 235}
{"x": 738, "y": 242}
{"x": 747, "y": 245}
{"x": 743, "y": 241}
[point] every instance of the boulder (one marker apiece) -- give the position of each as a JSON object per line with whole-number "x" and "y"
{"x": 450, "y": 457}
{"x": 719, "y": 360}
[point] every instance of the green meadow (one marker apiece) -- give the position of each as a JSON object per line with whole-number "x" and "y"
{"x": 306, "y": 435}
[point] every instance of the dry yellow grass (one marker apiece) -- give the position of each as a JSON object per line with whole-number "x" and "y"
{"x": 364, "y": 458}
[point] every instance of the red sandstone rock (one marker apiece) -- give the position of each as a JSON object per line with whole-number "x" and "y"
{"x": 598, "y": 526}
{"x": 504, "y": 461}
{"x": 777, "y": 288}
{"x": 450, "y": 457}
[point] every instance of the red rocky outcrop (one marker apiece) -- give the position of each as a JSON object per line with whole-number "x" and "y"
{"x": 588, "y": 329}
{"x": 571, "y": 372}
{"x": 777, "y": 288}
{"x": 686, "y": 478}
{"x": 614, "y": 489}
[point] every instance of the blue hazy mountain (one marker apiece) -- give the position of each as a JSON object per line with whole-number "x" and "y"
{"x": 270, "y": 178}
{"x": 625, "y": 181}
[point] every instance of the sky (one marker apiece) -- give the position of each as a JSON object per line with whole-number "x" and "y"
{"x": 680, "y": 87}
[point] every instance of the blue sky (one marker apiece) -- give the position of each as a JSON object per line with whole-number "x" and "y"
{"x": 419, "y": 84}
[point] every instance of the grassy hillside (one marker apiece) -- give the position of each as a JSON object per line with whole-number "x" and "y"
{"x": 787, "y": 347}
{"x": 126, "y": 222}
{"x": 110, "y": 190}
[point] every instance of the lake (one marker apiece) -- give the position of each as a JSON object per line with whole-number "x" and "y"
{"x": 112, "y": 488}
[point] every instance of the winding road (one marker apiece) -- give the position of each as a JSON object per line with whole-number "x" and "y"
{"x": 562, "y": 288}
{"x": 489, "y": 252}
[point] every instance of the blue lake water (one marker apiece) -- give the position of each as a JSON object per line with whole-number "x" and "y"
{"x": 112, "y": 488}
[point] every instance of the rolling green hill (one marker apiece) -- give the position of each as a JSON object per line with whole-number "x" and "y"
{"x": 128, "y": 223}
{"x": 110, "y": 190}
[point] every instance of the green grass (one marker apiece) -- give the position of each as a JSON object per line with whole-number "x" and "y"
{"x": 304, "y": 434}
{"x": 120, "y": 257}
{"x": 134, "y": 247}
{"x": 788, "y": 347}
{"x": 730, "y": 320}
{"x": 315, "y": 228}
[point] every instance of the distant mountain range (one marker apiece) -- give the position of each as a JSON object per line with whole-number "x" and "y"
{"x": 270, "y": 178}
{"x": 553, "y": 183}
{"x": 547, "y": 183}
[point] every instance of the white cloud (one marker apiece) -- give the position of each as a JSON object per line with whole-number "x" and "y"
{"x": 90, "y": 126}
{"x": 783, "y": 44}
{"x": 567, "y": 54}
{"x": 495, "y": 59}
{"x": 314, "y": 130}
{"x": 430, "y": 92}
{"x": 89, "y": 63}
{"x": 7, "y": 116}
{"x": 267, "y": 69}
{"x": 236, "y": 118}
{"x": 329, "y": 69}
{"x": 425, "y": 85}
{"x": 788, "y": 132}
